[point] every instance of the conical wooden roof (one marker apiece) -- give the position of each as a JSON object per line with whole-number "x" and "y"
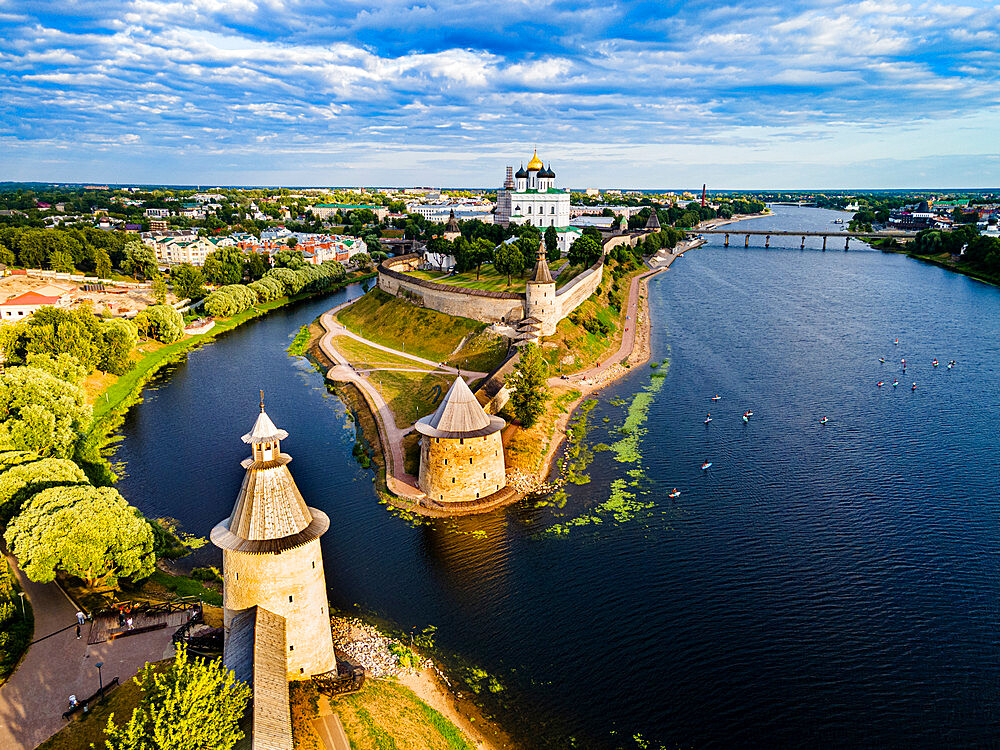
{"x": 270, "y": 514}
{"x": 459, "y": 415}
{"x": 653, "y": 222}
{"x": 541, "y": 273}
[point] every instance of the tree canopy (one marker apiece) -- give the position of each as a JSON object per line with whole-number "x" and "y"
{"x": 42, "y": 414}
{"x": 584, "y": 251}
{"x": 188, "y": 281}
{"x": 161, "y": 322}
{"x": 88, "y": 532}
{"x": 194, "y": 704}
{"x": 529, "y": 393}
{"x": 508, "y": 259}
{"x": 224, "y": 266}
{"x": 20, "y": 481}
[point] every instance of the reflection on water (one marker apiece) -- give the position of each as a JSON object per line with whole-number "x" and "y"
{"x": 820, "y": 584}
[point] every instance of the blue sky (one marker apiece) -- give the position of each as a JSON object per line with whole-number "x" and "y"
{"x": 426, "y": 92}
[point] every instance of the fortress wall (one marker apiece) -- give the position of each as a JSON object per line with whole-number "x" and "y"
{"x": 458, "y": 470}
{"x": 268, "y": 581}
{"x": 573, "y": 294}
{"x": 478, "y": 304}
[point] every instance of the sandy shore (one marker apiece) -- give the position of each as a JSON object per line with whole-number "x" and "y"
{"x": 430, "y": 687}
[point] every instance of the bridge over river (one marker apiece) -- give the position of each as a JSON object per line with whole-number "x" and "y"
{"x": 768, "y": 233}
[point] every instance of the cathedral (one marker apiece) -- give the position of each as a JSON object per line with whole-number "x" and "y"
{"x": 529, "y": 196}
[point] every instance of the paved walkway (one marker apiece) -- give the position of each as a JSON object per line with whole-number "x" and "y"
{"x": 398, "y": 481}
{"x": 58, "y": 665}
{"x": 628, "y": 337}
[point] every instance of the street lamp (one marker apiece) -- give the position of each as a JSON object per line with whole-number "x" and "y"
{"x": 100, "y": 677}
{"x": 21, "y": 594}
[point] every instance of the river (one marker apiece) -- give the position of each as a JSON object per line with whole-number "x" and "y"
{"x": 819, "y": 584}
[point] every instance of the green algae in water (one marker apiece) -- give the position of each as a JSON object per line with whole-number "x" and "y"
{"x": 627, "y": 449}
{"x": 578, "y": 456}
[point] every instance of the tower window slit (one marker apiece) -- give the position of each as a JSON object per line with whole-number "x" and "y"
{"x": 289, "y": 597}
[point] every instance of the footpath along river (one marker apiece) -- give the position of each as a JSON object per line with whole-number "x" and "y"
{"x": 819, "y": 585}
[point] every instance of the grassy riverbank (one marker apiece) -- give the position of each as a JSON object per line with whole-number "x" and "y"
{"x": 113, "y": 397}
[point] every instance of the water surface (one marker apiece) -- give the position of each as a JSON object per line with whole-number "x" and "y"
{"x": 819, "y": 584}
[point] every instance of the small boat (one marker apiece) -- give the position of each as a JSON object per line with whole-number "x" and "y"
{"x": 896, "y": 342}
{"x": 895, "y": 383}
{"x": 706, "y": 465}
{"x": 707, "y": 420}
{"x": 716, "y": 397}
{"x": 949, "y": 365}
{"x": 746, "y": 419}
{"x": 935, "y": 363}
{"x": 748, "y": 413}
{"x": 914, "y": 387}
{"x": 879, "y": 384}
{"x": 675, "y": 493}
{"x": 824, "y": 420}
{"x": 881, "y": 360}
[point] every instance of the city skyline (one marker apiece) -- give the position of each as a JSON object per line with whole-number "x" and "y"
{"x": 810, "y": 95}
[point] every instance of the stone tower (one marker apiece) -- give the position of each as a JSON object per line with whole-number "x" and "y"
{"x": 540, "y": 295}
{"x": 271, "y": 557}
{"x": 461, "y": 456}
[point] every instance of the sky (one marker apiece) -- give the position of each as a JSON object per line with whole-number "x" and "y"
{"x": 629, "y": 93}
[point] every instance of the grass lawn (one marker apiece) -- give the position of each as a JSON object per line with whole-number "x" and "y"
{"x": 81, "y": 732}
{"x": 364, "y": 356}
{"x": 489, "y": 278}
{"x": 411, "y": 395}
{"x": 401, "y": 325}
{"x": 385, "y": 715}
{"x": 591, "y": 332}
{"x": 525, "y": 449}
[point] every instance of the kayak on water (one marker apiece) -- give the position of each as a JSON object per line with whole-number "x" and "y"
{"x": 675, "y": 493}
{"x": 746, "y": 419}
{"x": 716, "y": 397}
{"x": 824, "y": 420}
{"x": 706, "y": 465}
{"x": 879, "y": 384}
{"x": 935, "y": 363}
{"x": 707, "y": 420}
{"x": 881, "y": 360}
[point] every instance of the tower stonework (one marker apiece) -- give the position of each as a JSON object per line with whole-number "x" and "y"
{"x": 271, "y": 556}
{"x": 540, "y": 295}
{"x": 461, "y": 455}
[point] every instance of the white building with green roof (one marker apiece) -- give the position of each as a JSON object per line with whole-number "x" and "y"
{"x": 530, "y": 196}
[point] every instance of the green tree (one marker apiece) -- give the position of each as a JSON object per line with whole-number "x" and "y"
{"x": 584, "y": 251}
{"x": 194, "y": 704}
{"x": 224, "y": 266}
{"x": 159, "y": 289}
{"x": 362, "y": 261}
{"x": 255, "y": 266}
{"x": 52, "y": 330}
{"x": 292, "y": 241}
{"x": 19, "y": 482}
{"x": 160, "y": 322}
{"x": 480, "y": 251}
{"x": 102, "y": 263}
{"x": 140, "y": 262}
{"x": 289, "y": 258}
{"x": 42, "y": 414}
{"x": 118, "y": 338}
{"x": 87, "y": 532}
{"x": 508, "y": 259}
{"x": 63, "y": 366}
{"x": 551, "y": 244}
{"x": 188, "y": 281}
{"x": 529, "y": 394}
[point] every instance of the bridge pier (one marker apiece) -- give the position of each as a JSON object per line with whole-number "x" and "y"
{"x": 824, "y": 243}
{"x": 727, "y": 241}
{"x": 803, "y": 245}
{"x": 767, "y": 241}
{"x": 847, "y": 244}
{"x": 747, "y": 243}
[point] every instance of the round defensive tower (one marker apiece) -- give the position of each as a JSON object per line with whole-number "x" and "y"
{"x": 461, "y": 455}
{"x": 540, "y": 295}
{"x": 271, "y": 556}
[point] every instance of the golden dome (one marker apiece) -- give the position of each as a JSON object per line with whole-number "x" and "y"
{"x": 535, "y": 164}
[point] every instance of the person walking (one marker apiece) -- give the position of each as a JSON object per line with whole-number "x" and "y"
{"x": 128, "y": 622}
{"x": 78, "y": 631}
{"x": 81, "y": 618}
